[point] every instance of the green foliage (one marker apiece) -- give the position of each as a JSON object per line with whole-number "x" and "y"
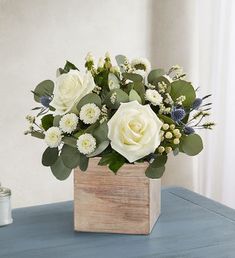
{"x": 89, "y": 98}
{"x": 157, "y": 167}
{"x": 47, "y": 121}
{"x": 166, "y": 119}
{"x": 114, "y": 161}
{"x": 71, "y": 141}
{"x": 120, "y": 96}
{"x": 154, "y": 75}
{"x": 191, "y": 144}
{"x": 120, "y": 60}
{"x": 133, "y": 77}
{"x": 56, "y": 120}
{"x": 100, "y": 132}
{"x": 67, "y": 67}
{"x": 37, "y": 134}
{"x": 181, "y": 87}
{"x": 113, "y": 81}
{"x": 45, "y": 88}
{"x": 50, "y": 156}
{"x": 70, "y": 156}
{"x": 100, "y": 148}
{"x": 133, "y": 95}
{"x": 101, "y": 79}
{"x": 59, "y": 170}
{"x": 140, "y": 89}
{"x": 83, "y": 162}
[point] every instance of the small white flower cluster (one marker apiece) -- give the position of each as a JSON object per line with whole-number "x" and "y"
{"x": 89, "y": 57}
{"x": 168, "y": 99}
{"x": 162, "y": 87}
{"x": 68, "y": 123}
{"x": 97, "y": 89}
{"x": 30, "y": 119}
{"x": 150, "y": 86}
{"x": 104, "y": 114}
{"x": 164, "y": 110}
{"x": 115, "y": 69}
{"x": 141, "y": 64}
{"x": 100, "y": 63}
{"x": 86, "y": 143}
{"x": 113, "y": 97}
{"x": 180, "y": 100}
{"x": 89, "y": 113}
{"x": 154, "y": 97}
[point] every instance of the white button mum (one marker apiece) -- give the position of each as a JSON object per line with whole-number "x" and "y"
{"x": 53, "y": 137}
{"x": 134, "y": 130}
{"x": 141, "y": 64}
{"x": 153, "y": 96}
{"x": 69, "y": 89}
{"x": 68, "y": 123}
{"x": 86, "y": 143}
{"x": 89, "y": 113}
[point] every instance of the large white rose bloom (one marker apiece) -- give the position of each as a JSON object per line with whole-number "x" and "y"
{"x": 53, "y": 137}
{"x": 134, "y": 130}
{"x": 69, "y": 89}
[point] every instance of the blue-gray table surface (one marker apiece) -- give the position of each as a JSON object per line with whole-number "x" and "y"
{"x": 189, "y": 226}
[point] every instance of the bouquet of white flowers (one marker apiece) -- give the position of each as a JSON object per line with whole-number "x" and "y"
{"x": 123, "y": 114}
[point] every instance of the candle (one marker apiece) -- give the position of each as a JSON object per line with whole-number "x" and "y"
{"x": 5, "y": 206}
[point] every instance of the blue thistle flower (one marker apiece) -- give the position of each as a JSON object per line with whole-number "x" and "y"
{"x": 45, "y": 101}
{"x": 197, "y": 103}
{"x": 188, "y": 130}
{"x": 178, "y": 114}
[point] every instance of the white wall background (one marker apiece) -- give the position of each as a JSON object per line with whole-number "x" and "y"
{"x": 36, "y": 37}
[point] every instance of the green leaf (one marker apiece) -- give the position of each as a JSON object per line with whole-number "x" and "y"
{"x": 67, "y": 67}
{"x": 38, "y": 135}
{"x": 166, "y": 119}
{"x": 133, "y": 95}
{"x": 89, "y": 98}
{"x": 120, "y": 97}
{"x": 176, "y": 151}
{"x": 114, "y": 161}
{"x": 47, "y": 121}
{"x": 140, "y": 89}
{"x": 69, "y": 140}
{"x": 100, "y": 148}
{"x": 157, "y": 167}
{"x": 49, "y": 156}
{"x": 56, "y": 120}
{"x": 83, "y": 162}
{"x": 191, "y": 144}
{"x": 120, "y": 59}
{"x": 45, "y": 88}
{"x": 154, "y": 75}
{"x": 133, "y": 77}
{"x": 70, "y": 156}
{"x": 154, "y": 172}
{"x": 181, "y": 87}
{"x": 59, "y": 170}
{"x": 101, "y": 132}
{"x": 113, "y": 81}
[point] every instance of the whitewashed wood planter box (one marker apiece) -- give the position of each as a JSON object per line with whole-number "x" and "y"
{"x": 128, "y": 202}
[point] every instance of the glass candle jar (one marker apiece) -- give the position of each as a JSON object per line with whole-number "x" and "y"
{"x": 5, "y": 206}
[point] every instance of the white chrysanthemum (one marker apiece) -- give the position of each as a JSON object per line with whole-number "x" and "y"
{"x": 68, "y": 123}
{"x": 154, "y": 97}
{"x": 141, "y": 64}
{"x": 53, "y": 137}
{"x": 89, "y": 113}
{"x": 86, "y": 143}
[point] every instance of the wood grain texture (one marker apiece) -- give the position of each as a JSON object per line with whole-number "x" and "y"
{"x": 128, "y": 202}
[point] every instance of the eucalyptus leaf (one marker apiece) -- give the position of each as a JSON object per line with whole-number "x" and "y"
{"x": 140, "y": 89}
{"x": 84, "y": 160}
{"x": 154, "y": 172}
{"x": 101, "y": 147}
{"x": 89, "y": 98}
{"x": 47, "y": 121}
{"x": 154, "y": 75}
{"x": 120, "y": 59}
{"x": 181, "y": 87}
{"x": 113, "y": 81}
{"x": 49, "y": 156}
{"x": 119, "y": 97}
{"x": 101, "y": 132}
{"x": 166, "y": 119}
{"x": 71, "y": 141}
{"x": 45, "y": 88}
{"x": 191, "y": 144}
{"x": 59, "y": 170}
{"x": 70, "y": 156}
{"x": 133, "y": 95}
{"x": 133, "y": 77}
{"x": 56, "y": 120}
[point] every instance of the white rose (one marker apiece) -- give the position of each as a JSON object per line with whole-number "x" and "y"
{"x": 69, "y": 89}
{"x": 134, "y": 130}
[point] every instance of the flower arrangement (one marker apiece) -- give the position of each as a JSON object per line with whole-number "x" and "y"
{"x": 126, "y": 113}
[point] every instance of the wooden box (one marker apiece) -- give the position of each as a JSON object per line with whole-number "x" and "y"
{"x": 128, "y": 202}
